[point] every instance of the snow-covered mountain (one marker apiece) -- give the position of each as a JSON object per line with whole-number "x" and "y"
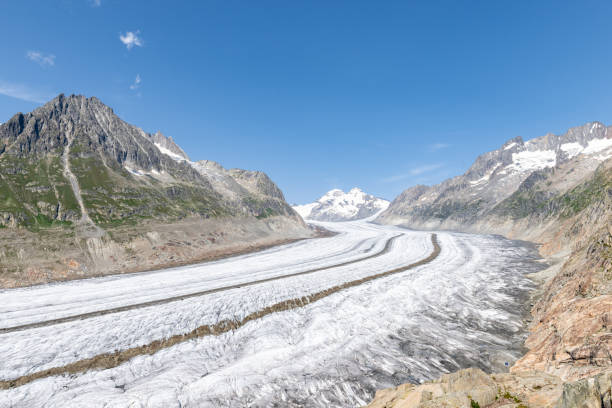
{"x": 481, "y": 193}
{"x": 336, "y": 205}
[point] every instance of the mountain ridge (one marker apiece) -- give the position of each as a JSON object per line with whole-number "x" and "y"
{"x": 461, "y": 202}
{"x": 104, "y": 147}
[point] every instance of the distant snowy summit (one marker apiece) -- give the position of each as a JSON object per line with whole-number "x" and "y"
{"x": 336, "y": 205}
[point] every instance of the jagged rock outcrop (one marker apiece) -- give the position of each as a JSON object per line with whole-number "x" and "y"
{"x": 74, "y": 166}
{"x": 167, "y": 143}
{"x": 336, "y": 205}
{"x": 571, "y": 332}
{"x": 472, "y": 388}
{"x": 595, "y": 392}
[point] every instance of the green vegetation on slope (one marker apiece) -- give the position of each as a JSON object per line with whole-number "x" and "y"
{"x": 533, "y": 199}
{"x": 35, "y": 192}
{"x": 594, "y": 190}
{"x": 113, "y": 196}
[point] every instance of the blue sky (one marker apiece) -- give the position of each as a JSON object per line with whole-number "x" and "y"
{"x": 320, "y": 94}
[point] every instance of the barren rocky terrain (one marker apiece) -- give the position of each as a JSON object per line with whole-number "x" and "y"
{"x": 473, "y": 388}
{"x": 55, "y": 254}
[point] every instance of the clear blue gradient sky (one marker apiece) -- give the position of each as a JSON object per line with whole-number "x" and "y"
{"x": 320, "y": 94}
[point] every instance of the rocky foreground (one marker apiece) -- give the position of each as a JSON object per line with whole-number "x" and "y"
{"x": 555, "y": 191}
{"x": 569, "y": 357}
{"x": 473, "y": 388}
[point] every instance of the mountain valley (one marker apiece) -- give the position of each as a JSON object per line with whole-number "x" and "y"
{"x": 86, "y": 195}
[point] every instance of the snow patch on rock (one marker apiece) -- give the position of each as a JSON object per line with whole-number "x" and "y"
{"x": 597, "y": 145}
{"x": 572, "y": 149}
{"x": 169, "y": 153}
{"x": 142, "y": 173}
{"x": 594, "y": 146}
{"x": 532, "y": 160}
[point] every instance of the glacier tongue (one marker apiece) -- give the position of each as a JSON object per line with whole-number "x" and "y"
{"x": 460, "y": 310}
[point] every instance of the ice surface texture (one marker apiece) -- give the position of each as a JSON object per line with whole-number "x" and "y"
{"x": 463, "y": 309}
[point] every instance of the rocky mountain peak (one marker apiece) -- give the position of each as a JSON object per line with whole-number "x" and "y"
{"x": 513, "y": 143}
{"x": 210, "y": 164}
{"x": 119, "y": 170}
{"x": 257, "y": 182}
{"x": 168, "y": 144}
{"x": 92, "y": 130}
{"x": 77, "y": 107}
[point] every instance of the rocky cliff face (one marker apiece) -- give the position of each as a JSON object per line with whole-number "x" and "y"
{"x": 336, "y": 205}
{"x": 162, "y": 142}
{"x": 471, "y": 388}
{"x": 75, "y": 167}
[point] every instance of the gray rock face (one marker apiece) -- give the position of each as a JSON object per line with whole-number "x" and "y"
{"x": 167, "y": 143}
{"x": 595, "y": 392}
{"x": 459, "y": 202}
{"x": 257, "y": 183}
{"x": 243, "y": 188}
{"x": 96, "y": 130}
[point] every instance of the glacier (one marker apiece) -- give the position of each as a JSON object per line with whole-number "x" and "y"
{"x": 462, "y": 309}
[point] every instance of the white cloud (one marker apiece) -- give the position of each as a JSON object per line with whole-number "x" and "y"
{"x": 41, "y": 59}
{"x": 23, "y": 92}
{"x": 438, "y": 146}
{"x": 96, "y": 3}
{"x": 412, "y": 172}
{"x": 425, "y": 169}
{"x": 131, "y": 39}
{"x": 136, "y": 83}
